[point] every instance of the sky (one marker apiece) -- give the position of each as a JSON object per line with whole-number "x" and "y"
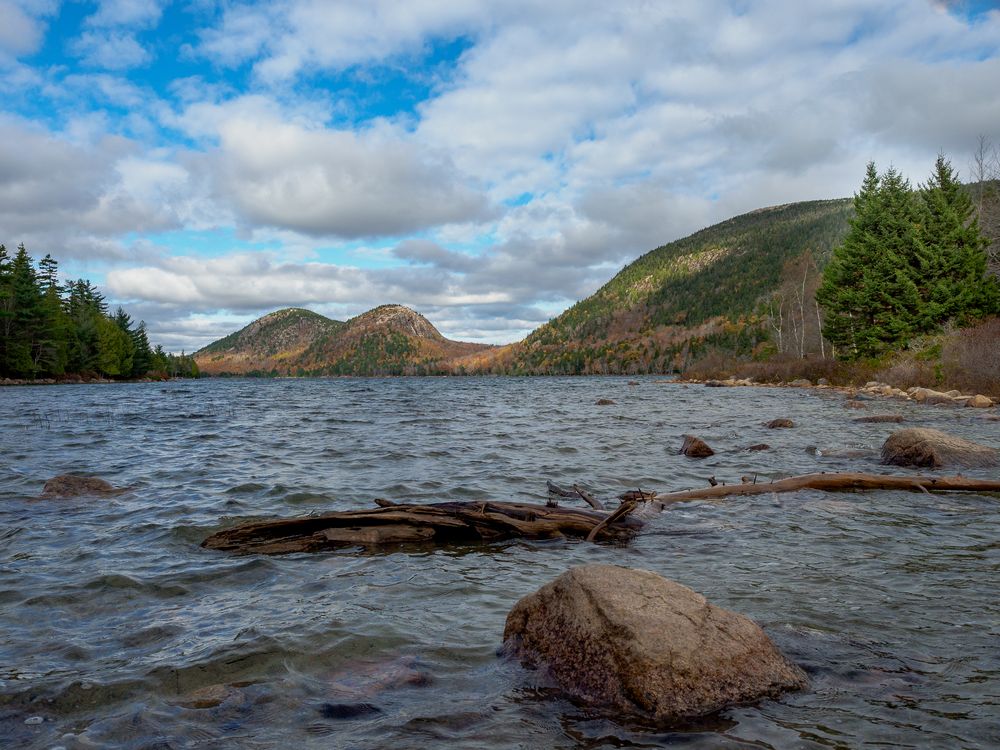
{"x": 485, "y": 163}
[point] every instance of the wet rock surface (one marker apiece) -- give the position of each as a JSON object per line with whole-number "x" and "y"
{"x": 923, "y": 447}
{"x": 70, "y": 485}
{"x": 695, "y": 447}
{"x": 641, "y": 646}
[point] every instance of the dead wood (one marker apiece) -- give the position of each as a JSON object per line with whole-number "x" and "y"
{"x": 837, "y": 483}
{"x": 576, "y": 492}
{"x": 437, "y": 523}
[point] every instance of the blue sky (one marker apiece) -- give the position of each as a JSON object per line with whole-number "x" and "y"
{"x": 487, "y": 163}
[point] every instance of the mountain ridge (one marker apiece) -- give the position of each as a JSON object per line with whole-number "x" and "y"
{"x": 664, "y": 309}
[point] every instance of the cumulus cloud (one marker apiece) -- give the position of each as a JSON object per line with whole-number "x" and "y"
{"x": 563, "y": 140}
{"x": 332, "y": 182}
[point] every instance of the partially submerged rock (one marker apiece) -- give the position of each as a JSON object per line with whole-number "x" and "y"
{"x": 979, "y": 401}
{"x": 70, "y": 485}
{"x": 605, "y": 402}
{"x": 919, "y": 446}
{"x": 759, "y": 447}
{"x": 637, "y": 644}
{"x": 695, "y": 447}
{"x": 878, "y": 418}
{"x": 932, "y": 397}
{"x": 778, "y": 423}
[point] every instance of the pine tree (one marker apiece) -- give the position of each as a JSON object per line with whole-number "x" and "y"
{"x": 142, "y": 357}
{"x": 955, "y": 285}
{"x": 6, "y": 305}
{"x": 26, "y": 324}
{"x": 868, "y": 290}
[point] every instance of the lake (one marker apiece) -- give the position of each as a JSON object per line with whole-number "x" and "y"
{"x": 111, "y": 613}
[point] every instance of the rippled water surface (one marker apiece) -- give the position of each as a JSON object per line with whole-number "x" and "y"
{"x": 111, "y": 615}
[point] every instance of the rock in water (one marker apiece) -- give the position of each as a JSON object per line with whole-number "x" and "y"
{"x": 918, "y": 446}
{"x": 632, "y": 642}
{"x": 695, "y": 447}
{"x": 979, "y": 401}
{"x": 69, "y": 485}
{"x": 775, "y": 424}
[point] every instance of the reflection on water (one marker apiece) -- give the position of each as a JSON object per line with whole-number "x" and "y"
{"x": 118, "y": 630}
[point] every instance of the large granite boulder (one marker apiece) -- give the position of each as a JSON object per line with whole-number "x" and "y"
{"x": 919, "y": 446}
{"x": 641, "y": 646}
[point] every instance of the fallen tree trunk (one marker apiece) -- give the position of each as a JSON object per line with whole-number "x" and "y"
{"x": 467, "y": 522}
{"x": 437, "y": 523}
{"x": 845, "y": 482}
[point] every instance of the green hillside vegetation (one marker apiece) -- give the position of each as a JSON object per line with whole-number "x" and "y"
{"x": 706, "y": 290}
{"x": 53, "y": 330}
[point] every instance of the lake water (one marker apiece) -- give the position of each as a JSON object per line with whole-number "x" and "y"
{"x": 110, "y": 612}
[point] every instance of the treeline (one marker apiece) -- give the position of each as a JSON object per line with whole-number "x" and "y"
{"x": 912, "y": 262}
{"x": 50, "y": 330}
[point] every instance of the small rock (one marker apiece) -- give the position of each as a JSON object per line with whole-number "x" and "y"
{"x": 801, "y": 383}
{"x": 695, "y": 447}
{"x": 69, "y": 485}
{"x": 953, "y": 393}
{"x": 822, "y": 381}
{"x": 759, "y": 447}
{"x": 633, "y": 382}
{"x": 877, "y": 418}
{"x": 854, "y": 404}
{"x": 639, "y": 645}
{"x": 605, "y": 402}
{"x": 918, "y": 446}
{"x": 776, "y": 423}
{"x": 716, "y": 383}
{"x": 34, "y": 720}
{"x": 979, "y": 401}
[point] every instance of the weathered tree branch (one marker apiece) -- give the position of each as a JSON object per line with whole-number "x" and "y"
{"x": 837, "y": 483}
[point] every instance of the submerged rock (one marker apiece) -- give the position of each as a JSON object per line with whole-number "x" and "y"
{"x": 605, "y": 402}
{"x": 918, "y": 446}
{"x": 878, "y": 418}
{"x": 635, "y": 643}
{"x": 70, "y": 485}
{"x": 695, "y": 447}
{"x": 759, "y": 447}
{"x": 776, "y": 423}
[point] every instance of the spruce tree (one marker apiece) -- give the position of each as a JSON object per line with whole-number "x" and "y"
{"x": 27, "y": 319}
{"x": 868, "y": 289}
{"x": 954, "y": 283}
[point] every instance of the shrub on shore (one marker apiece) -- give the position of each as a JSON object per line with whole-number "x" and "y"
{"x": 966, "y": 359}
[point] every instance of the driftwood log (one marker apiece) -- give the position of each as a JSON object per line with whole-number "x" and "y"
{"x": 467, "y": 522}
{"x": 845, "y": 482}
{"x": 437, "y": 523}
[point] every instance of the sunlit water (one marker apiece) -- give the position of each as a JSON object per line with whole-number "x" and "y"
{"x": 112, "y": 613}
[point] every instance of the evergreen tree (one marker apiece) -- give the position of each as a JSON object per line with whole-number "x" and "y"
{"x": 25, "y": 327}
{"x": 6, "y": 304}
{"x": 142, "y": 356}
{"x": 955, "y": 285}
{"x": 868, "y": 290}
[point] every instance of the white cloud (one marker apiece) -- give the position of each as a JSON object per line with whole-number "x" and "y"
{"x": 111, "y": 50}
{"x": 133, "y": 13}
{"x": 329, "y": 182}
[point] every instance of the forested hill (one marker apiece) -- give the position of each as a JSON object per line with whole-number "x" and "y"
{"x": 709, "y": 289}
{"x": 388, "y": 340}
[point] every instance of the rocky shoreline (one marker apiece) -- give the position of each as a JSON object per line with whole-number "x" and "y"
{"x": 870, "y": 389}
